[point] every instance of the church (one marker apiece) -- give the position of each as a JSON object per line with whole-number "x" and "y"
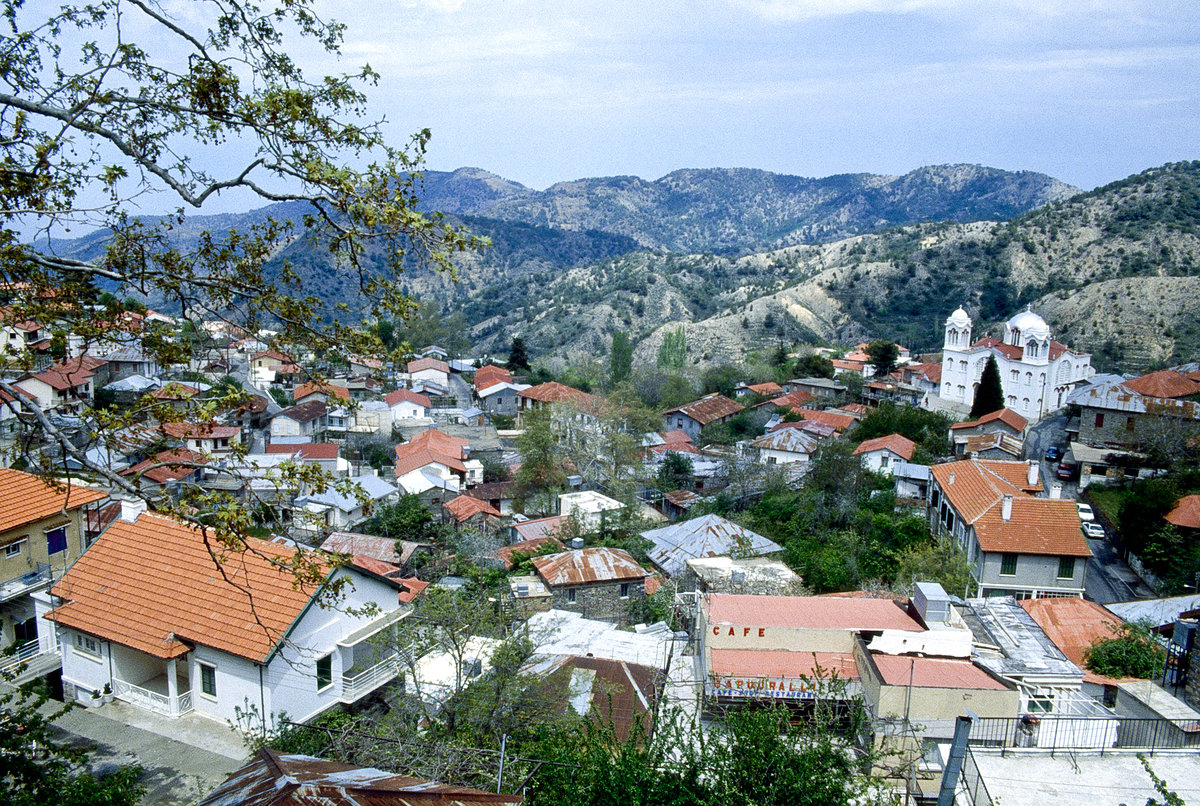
{"x": 1036, "y": 372}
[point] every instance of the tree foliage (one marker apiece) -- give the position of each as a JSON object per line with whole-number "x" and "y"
{"x": 813, "y": 365}
{"x": 1133, "y": 652}
{"x": 929, "y": 429}
{"x": 540, "y": 476}
{"x": 672, "y": 353}
{"x": 989, "y": 395}
{"x": 518, "y": 357}
{"x": 620, "y": 361}
{"x": 883, "y": 355}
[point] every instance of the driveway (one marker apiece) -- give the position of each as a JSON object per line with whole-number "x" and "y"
{"x": 175, "y": 773}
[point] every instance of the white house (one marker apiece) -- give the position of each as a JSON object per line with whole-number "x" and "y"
{"x": 588, "y": 507}
{"x": 335, "y": 511}
{"x": 305, "y": 420}
{"x": 882, "y": 453}
{"x": 147, "y": 612}
{"x": 1036, "y": 372}
{"x": 785, "y": 445}
{"x": 429, "y": 369}
{"x": 408, "y": 405}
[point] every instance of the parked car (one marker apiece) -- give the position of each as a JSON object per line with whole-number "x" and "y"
{"x": 1067, "y": 471}
{"x": 1085, "y": 512}
{"x": 1093, "y": 529}
{"x": 1053, "y": 453}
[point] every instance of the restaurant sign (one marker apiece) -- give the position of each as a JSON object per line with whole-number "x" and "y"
{"x": 794, "y": 688}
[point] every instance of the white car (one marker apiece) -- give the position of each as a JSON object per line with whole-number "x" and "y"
{"x": 1093, "y": 529}
{"x": 1085, "y": 512}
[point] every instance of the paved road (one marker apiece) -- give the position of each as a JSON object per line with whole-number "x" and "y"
{"x": 174, "y": 773}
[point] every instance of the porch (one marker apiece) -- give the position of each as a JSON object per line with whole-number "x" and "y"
{"x": 371, "y": 657}
{"x": 155, "y": 694}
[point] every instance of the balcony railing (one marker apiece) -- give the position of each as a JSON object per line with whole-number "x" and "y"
{"x": 26, "y": 652}
{"x": 19, "y": 586}
{"x": 357, "y": 686}
{"x": 153, "y": 701}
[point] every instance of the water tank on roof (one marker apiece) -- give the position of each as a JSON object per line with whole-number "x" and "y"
{"x": 932, "y": 602}
{"x": 575, "y": 543}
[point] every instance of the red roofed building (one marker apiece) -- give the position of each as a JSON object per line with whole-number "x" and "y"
{"x": 597, "y": 582}
{"x": 1166, "y": 383}
{"x": 1074, "y": 625}
{"x": 1186, "y": 513}
{"x": 1002, "y": 421}
{"x": 429, "y": 369}
{"x": 839, "y": 422}
{"x": 464, "y": 507}
{"x": 691, "y": 417}
{"x": 881, "y": 453}
{"x": 545, "y": 394}
{"x": 490, "y": 375}
{"x": 1036, "y": 372}
{"x": 160, "y": 470}
{"x": 66, "y": 386}
{"x": 212, "y": 438}
{"x": 443, "y": 454}
{"x": 408, "y": 405}
{"x": 792, "y": 400}
{"x": 148, "y": 612}
{"x": 326, "y": 392}
{"x": 1018, "y": 543}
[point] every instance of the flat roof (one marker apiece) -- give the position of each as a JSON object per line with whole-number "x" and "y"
{"x": 897, "y": 670}
{"x": 809, "y": 612}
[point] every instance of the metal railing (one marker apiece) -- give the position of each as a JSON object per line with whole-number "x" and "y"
{"x": 20, "y": 585}
{"x": 25, "y": 652}
{"x": 152, "y": 700}
{"x": 1091, "y": 733}
{"x": 973, "y": 783}
{"x": 366, "y": 681}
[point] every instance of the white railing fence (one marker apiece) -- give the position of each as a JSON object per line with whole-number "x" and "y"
{"x": 25, "y": 652}
{"x": 366, "y": 681}
{"x": 152, "y": 700}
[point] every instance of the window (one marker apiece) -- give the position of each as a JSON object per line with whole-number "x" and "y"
{"x": 1066, "y": 567}
{"x": 13, "y": 549}
{"x": 1008, "y": 565}
{"x": 324, "y": 672}
{"x": 1015, "y": 375}
{"x": 1099, "y": 419}
{"x": 1129, "y": 423}
{"x": 624, "y": 590}
{"x": 570, "y": 595}
{"x": 87, "y": 645}
{"x": 56, "y": 540}
{"x": 1043, "y": 705}
{"x": 208, "y": 680}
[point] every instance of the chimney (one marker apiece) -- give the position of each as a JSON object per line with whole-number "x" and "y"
{"x": 1056, "y": 491}
{"x": 130, "y": 510}
{"x": 951, "y": 479}
{"x": 1033, "y": 473}
{"x": 1006, "y": 507}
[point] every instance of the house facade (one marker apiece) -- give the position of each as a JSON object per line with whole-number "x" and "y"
{"x": 597, "y": 582}
{"x": 691, "y": 417}
{"x": 145, "y": 613}
{"x": 1018, "y": 544}
{"x": 882, "y": 454}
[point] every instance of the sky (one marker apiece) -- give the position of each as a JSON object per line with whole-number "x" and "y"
{"x": 541, "y": 92}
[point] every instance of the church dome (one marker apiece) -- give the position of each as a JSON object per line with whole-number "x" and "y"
{"x": 1030, "y": 325}
{"x": 959, "y": 319}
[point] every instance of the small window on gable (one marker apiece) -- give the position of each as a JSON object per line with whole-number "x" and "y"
{"x": 1066, "y": 567}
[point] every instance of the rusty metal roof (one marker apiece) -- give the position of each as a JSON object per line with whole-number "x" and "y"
{"x": 707, "y": 536}
{"x": 709, "y": 408}
{"x": 579, "y": 567}
{"x": 275, "y": 778}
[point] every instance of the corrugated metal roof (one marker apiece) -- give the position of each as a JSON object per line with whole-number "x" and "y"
{"x": 1074, "y": 625}
{"x": 275, "y": 778}
{"x": 707, "y": 536}
{"x": 709, "y": 408}
{"x": 899, "y": 670}
{"x": 598, "y": 564}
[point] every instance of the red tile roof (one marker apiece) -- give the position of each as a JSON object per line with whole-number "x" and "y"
{"x": 1006, "y": 416}
{"x": 490, "y": 375}
{"x": 809, "y": 612}
{"x": 555, "y": 392}
{"x": 70, "y": 373}
{"x": 406, "y": 396}
{"x": 306, "y": 451}
{"x": 792, "y": 400}
{"x": 1166, "y": 383}
{"x": 1035, "y": 525}
{"x": 327, "y": 389}
{"x": 840, "y": 422}
{"x": 274, "y": 355}
{"x": 898, "y": 444}
{"x": 709, "y": 409}
{"x": 429, "y": 447}
{"x": 465, "y": 507}
{"x": 764, "y": 389}
{"x": 186, "y": 430}
{"x": 165, "y": 471}
{"x": 28, "y": 498}
{"x": 1186, "y": 512}
{"x": 1009, "y": 351}
{"x": 428, "y": 363}
{"x": 413, "y": 587}
{"x": 1074, "y": 625}
{"x": 127, "y": 588}
{"x": 897, "y": 670}
{"x": 579, "y": 567}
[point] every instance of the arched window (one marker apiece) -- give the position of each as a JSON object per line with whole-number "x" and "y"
{"x": 962, "y": 366}
{"x": 952, "y": 336}
{"x": 1025, "y": 404}
{"x": 1012, "y": 401}
{"x": 1016, "y": 376}
{"x": 1041, "y": 377}
{"x": 1063, "y": 373}
{"x": 962, "y": 392}
{"x": 1032, "y": 348}
{"x": 1029, "y": 378}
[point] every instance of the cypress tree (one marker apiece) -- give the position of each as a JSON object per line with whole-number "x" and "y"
{"x": 989, "y": 395}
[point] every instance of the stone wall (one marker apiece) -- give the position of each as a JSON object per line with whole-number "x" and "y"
{"x": 600, "y": 600}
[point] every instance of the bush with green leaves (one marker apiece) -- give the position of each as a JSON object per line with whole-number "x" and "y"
{"x": 1133, "y": 652}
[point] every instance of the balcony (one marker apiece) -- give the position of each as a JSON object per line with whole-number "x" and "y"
{"x": 357, "y": 683}
{"x": 26, "y": 583}
{"x": 153, "y": 696}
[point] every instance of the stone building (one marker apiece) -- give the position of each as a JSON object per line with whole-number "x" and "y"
{"x": 597, "y": 582}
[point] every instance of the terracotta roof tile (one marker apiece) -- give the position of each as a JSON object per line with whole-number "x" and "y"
{"x": 186, "y": 430}
{"x": 129, "y": 588}
{"x": 1007, "y": 416}
{"x": 406, "y": 396}
{"x": 555, "y": 392}
{"x": 792, "y": 400}
{"x": 979, "y": 484}
{"x": 306, "y": 451}
{"x": 840, "y": 422}
{"x": 167, "y": 472}
{"x": 26, "y": 498}
{"x": 764, "y": 389}
{"x": 431, "y": 447}
{"x": 1035, "y": 526}
{"x": 1186, "y": 512}
{"x": 464, "y": 507}
{"x": 1166, "y": 383}
{"x": 490, "y": 375}
{"x": 599, "y": 564}
{"x": 898, "y": 444}
{"x": 428, "y": 363}
{"x": 709, "y": 408}
{"x": 327, "y": 389}
{"x": 809, "y": 612}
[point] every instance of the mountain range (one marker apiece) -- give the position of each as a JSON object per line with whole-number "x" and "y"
{"x": 746, "y": 259}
